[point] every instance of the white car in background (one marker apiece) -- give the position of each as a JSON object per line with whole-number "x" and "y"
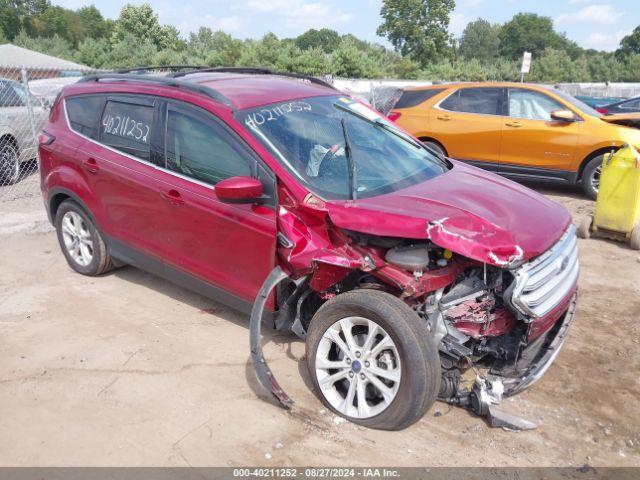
{"x": 21, "y": 116}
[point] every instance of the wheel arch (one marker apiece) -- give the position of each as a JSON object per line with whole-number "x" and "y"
{"x": 426, "y": 138}
{"x": 59, "y": 195}
{"x": 593, "y": 155}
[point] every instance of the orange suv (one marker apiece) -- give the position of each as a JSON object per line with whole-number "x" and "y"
{"x": 515, "y": 129}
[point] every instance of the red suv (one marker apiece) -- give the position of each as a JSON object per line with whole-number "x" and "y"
{"x": 278, "y": 195}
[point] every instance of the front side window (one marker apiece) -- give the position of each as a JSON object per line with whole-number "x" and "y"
{"x": 334, "y": 145}
{"x": 127, "y": 127}
{"x": 485, "y": 101}
{"x": 531, "y": 105}
{"x": 202, "y": 149}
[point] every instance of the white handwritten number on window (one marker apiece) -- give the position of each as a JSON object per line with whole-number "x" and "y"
{"x": 126, "y": 127}
{"x": 258, "y": 118}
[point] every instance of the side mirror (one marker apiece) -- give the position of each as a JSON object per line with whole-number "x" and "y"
{"x": 563, "y": 116}
{"x": 239, "y": 190}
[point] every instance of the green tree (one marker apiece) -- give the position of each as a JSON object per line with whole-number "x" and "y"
{"x": 325, "y": 39}
{"x": 93, "y": 23}
{"x": 140, "y": 23}
{"x": 16, "y": 15}
{"x": 352, "y": 62}
{"x": 630, "y": 43}
{"x": 480, "y": 39}
{"x": 417, "y": 28}
{"x": 93, "y": 52}
{"x": 531, "y": 33}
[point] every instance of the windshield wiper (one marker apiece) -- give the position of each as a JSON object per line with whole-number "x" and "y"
{"x": 441, "y": 159}
{"x": 353, "y": 180}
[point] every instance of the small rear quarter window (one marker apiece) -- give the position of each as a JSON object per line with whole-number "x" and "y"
{"x": 84, "y": 114}
{"x": 411, "y": 98}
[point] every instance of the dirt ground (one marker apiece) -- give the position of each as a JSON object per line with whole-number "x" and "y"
{"x": 130, "y": 370}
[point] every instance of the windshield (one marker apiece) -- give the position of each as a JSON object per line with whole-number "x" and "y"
{"x": 583, "y": 107}
{"x": 340, "y": 149}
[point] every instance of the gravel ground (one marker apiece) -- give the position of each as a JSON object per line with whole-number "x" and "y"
{"x": 127, "y": 369}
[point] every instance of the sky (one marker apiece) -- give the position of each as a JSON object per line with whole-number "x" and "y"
{"x": 598, "y": 24}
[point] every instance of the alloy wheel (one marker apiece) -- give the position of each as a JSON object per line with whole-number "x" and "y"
{"x": 595, "y": 178}
{"x": 358, "y": 367}
{"x": 77, "y": 238}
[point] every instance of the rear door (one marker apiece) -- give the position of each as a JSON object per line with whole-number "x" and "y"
{"x": 229, "y": 245}
{"x": 119, "y": 164}
{"x": 530, "y": 138}
{"x": 469, "y": 123}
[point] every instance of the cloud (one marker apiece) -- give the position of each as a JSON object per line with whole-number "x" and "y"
{"x": 603, "y": 41}
{"x": 602, "y": 13}
{"x": 298, "y": 15}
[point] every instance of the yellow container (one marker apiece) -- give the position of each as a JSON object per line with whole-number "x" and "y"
{"x": 618, "y": 204}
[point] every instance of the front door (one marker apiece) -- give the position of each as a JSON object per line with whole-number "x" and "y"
{"x": 531, "y": 139}
{"x": 231, "y": 246}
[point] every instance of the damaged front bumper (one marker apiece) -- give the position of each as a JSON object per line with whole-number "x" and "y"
{"x": 539, "y": 356}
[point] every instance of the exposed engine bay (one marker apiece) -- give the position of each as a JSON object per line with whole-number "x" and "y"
{"x": 467, "y": 306}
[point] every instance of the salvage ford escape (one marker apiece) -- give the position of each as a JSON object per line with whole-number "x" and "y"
{"x": 278, "y": 195}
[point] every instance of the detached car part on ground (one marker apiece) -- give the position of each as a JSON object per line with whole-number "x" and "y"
{"x": 404, "y": 271}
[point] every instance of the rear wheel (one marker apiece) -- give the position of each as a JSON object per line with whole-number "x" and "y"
{"x": 9, "y": 162}
{"x": 372, "y": 360}
{"x": 80, "y": 241}
{"x": 591, "y": 176}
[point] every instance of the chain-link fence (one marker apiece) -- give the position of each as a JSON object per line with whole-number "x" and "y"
{"x": 26, "y": 95}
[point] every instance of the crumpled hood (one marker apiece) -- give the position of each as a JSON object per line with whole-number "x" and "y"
{"x": 469, "y": 211}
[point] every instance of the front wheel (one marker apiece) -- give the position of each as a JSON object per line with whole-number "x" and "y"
{"x": 372, "y": 360}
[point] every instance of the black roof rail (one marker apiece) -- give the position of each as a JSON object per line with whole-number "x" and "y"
{"x": 149, "y": 68}
{"x": 254, "y": 71}
{"x": 167, "y": 81}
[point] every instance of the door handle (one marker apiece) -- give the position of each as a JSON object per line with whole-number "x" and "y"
{"x": 173, "y": 197}
{"x": 444, "y": 117}
{"x": 91, "y": 165}
{"x": 513, "y": 124}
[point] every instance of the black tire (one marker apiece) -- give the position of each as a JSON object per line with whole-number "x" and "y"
{"x": 591, "y": 176}
{"x": 419, "y": 360}
{"x": 101, "y": 261}
{"x": 9, "y": 162}
{"x": 435, "y": 147}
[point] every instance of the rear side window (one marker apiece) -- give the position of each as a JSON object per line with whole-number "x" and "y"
{"x": 202, "y": 149}
{"x": 127, "y": 127}
{"x": 486, "y": 101}
{"x": 411, "y": 98}
{"x": 84, "y": 114}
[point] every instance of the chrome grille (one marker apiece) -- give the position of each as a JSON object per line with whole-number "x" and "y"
{"x": 544, "y": 281}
